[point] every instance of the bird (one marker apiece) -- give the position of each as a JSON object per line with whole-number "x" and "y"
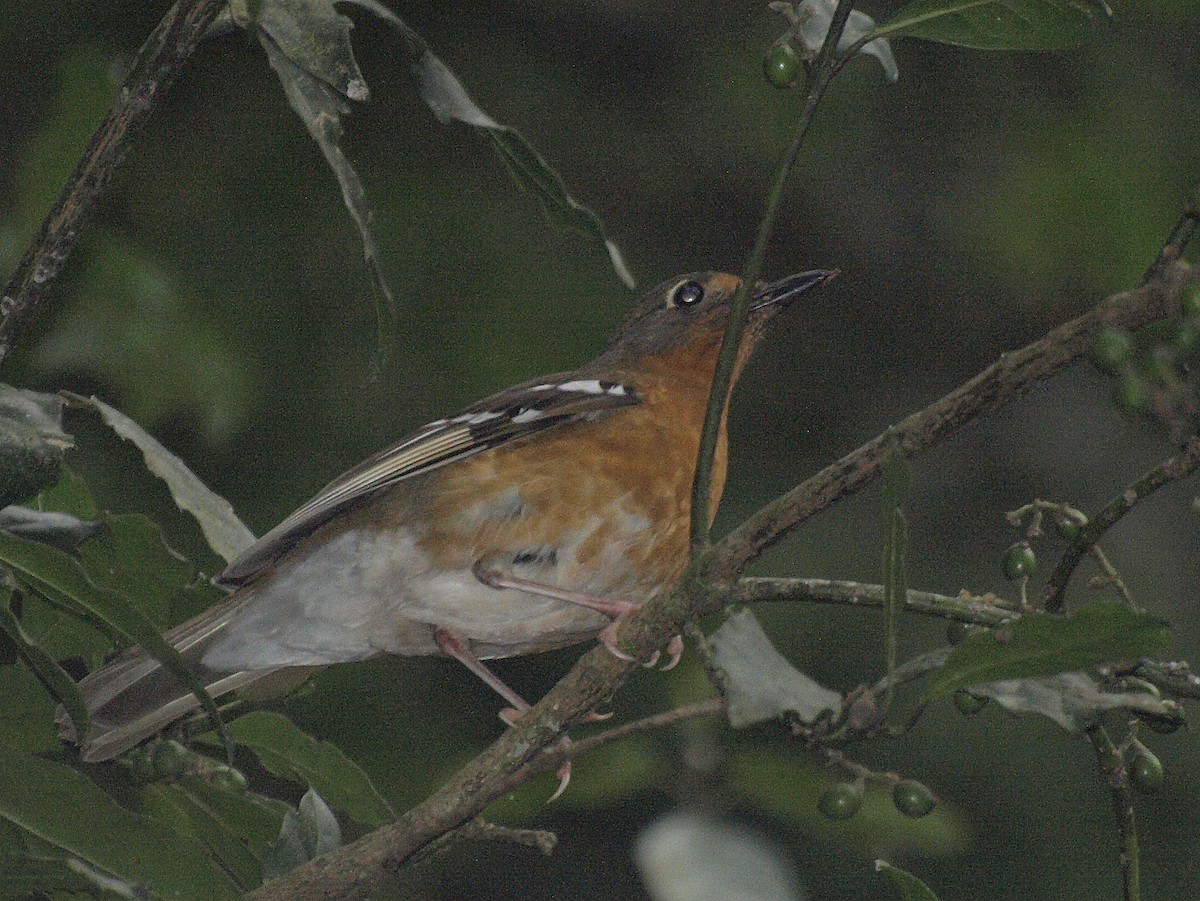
{"x": 537, "y": 518}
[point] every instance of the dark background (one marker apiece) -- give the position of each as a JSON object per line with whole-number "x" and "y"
{"x": 219, "y": 297}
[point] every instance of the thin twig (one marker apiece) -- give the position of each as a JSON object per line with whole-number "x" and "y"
{"x": 158, "y": 64}
{"x": 820, "y": 73}
{"x": 1166, "y": 472}
{"x": 1013, "y": 375}
{"x": 699, "y": 710}
{"x": 980, "y": 610}
{"x": 1112, "y": 765}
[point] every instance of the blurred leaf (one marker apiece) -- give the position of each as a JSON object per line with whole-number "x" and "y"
{"x": 63, "y": 630}
{"x": 61, "y": 578}
{"x": 690, "y": 857}
{"x": 32, "y": 442}
{"x": 304, "y": 836}
{"x": 1070, "y": 699}
{"x": 168, "y": 802}
{"x": 897, "y": 477}
{"x": 27, "y": 713}
{"x": 788, "y": 785}
{"x": 762, "y": 685}
{"x": 320, "y": 108}
{"x": 1039, "y": 644}
{"x": 60, "y": 530}
{"x": 45, "y": 667}
{"x": 610, "y": 774}
{"x": 224, "y": 532}
{"x": 290, "y": 753}
{"x": 909, "y": 886}
{"x": 61, "y": 806}
{"x": 138, "y": 326}
{"x": 998, "y": 24}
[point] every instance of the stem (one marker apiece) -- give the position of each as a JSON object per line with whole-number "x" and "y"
{"x": 820, "y": 74}
{"x": 1166, "y": 472}
{"x": 158, "y": 64}
{"x": 1109, "y": 759}
{"x": 699, "y": 710}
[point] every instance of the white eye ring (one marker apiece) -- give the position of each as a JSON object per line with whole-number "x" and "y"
{"x": 688, "y": 294}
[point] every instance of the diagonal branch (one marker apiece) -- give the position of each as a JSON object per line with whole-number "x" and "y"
{"x": 158, "y": 64}
{"x": 1013, "y": 375}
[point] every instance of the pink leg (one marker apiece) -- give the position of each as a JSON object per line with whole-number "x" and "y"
{"x": 617, "y": 609}
{"x": 452, "y": 646}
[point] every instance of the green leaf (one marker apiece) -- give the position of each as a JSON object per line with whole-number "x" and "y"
{"x": 62, "y": 807}
{"x": 290, "y": 753}
{"x": 909, "y": 886}
{"x": 133, "y": 558}
{"x": 1039, "y": 644}
{"x": 27, "y": 713}
{"x": 997, "y": 24}
{"x": 45, "y": 667}
{"x": 225, "y": 533}
{"x": 60, "y": 577}
{"x": 169, "y": 802}
{"x": 70, "y": 494}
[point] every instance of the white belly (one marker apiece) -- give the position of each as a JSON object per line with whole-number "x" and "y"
{"x": 363, "y": 593}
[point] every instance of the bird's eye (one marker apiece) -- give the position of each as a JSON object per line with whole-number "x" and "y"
{"x": 688, "y": 294}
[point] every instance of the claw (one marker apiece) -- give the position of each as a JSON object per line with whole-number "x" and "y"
{"x": 653, "y": 661}
{"x": 594, "y": 717}
{"x": 509, "y": 716}
{"x": 675, "y": 649}
{"x": 608, "y": 638}
{"x": 564, "y": 779}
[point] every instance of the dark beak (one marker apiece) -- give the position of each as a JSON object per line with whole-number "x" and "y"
{"x": 784, "y": 291}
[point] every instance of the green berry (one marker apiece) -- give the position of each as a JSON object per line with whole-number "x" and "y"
{"x": 1068, "y": 529}
{"x": 913, "y": 799}
{"x": 1110, "y": 348}
{"x": 841, "y": 801}
{"x": 781, "y": 65}
{"x": 1187, "y": 340}
{"x": 1146, "y": 772}
{"x": 969, "y": 704}
{"x": 1130, "y": 393}
{"x": 1191, "y": 303}
{"x": 1019, "y": 561}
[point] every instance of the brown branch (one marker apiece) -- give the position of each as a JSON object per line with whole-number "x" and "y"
{"x": 1169, "y": 471}
{"x": 1013, "y": 375}
{"x": 357, "y": 870}
{"x": 159, "y": 62}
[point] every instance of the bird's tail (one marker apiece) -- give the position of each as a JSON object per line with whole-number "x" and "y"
{"x": 134, "y": 696}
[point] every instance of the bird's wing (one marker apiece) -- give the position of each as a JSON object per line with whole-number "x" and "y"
{"x": 512, "y": 414}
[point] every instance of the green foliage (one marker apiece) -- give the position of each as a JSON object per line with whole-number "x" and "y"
{"x": 1040, "y": 644}
{"x": 908, "y": 886}
{"x": 287, "y": 752}
{"x": 64, "y": 809}
{"x": 998, "y": 24}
